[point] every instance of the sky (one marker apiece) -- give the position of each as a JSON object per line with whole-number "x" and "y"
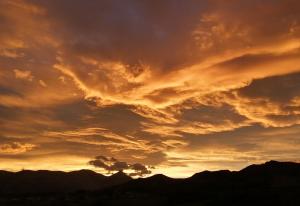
{"x": 148, "y": 86}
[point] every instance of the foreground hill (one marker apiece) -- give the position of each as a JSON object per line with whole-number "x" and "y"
{"x": 273, "y": 183}
{"x": 27, "y": 182}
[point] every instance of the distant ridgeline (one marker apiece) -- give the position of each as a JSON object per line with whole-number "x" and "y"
{"x": 43, "y": 181}
{"x": 272, "y": 183}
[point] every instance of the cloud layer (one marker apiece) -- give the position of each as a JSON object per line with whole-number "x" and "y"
{"x": 183, "y": 86}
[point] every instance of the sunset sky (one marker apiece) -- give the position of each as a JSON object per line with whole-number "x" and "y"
{"x": 167, "y": 86}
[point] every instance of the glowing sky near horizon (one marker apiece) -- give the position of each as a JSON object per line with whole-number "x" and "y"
{"x": 177, "y": 86}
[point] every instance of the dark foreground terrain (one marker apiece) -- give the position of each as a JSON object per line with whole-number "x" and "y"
{"x": 273, "y": 183}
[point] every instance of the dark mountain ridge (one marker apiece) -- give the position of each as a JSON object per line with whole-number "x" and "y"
{"x": 44, "y": 181}
{"x": 271, "y": 183}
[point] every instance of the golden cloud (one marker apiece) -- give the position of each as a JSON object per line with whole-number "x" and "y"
{"x": 16, "y": 148}
{"x": 23, "y": 74}
{"x": 129, "y": 79}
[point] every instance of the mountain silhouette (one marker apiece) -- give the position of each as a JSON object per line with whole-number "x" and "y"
{"x": 43, "y": 181}
{"x": 271, "y": 183}
{"x": 118, "y": 178}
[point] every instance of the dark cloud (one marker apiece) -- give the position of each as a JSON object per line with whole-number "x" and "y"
{"x": 9, "y": 91}
{"x": 139, "y": 169}
{"x": 281, "y": 89}
{"x": 111, "y": 164}
{"x": 149, "y": 29}
{"x": 272, "y": 101}
{"x": 211, "y": 114}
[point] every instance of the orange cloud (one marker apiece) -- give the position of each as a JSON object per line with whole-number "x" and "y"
{"x": 130, "y": 80}
{"x": 16, "y": 148}
{"x": 23, "y": 74}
